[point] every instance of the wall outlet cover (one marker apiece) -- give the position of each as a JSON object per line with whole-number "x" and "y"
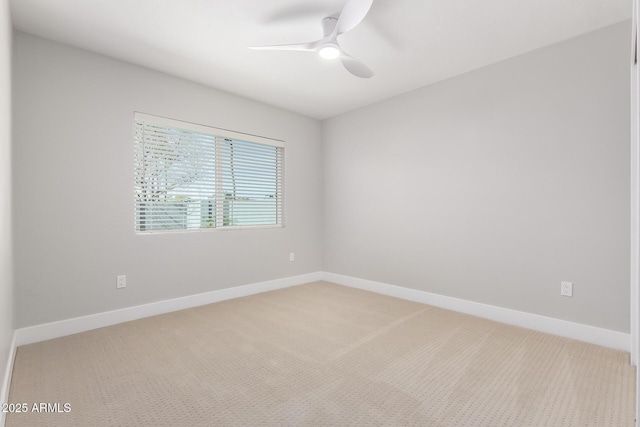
{"x": 121, "y": 282}
{"x": 566, "y": 289}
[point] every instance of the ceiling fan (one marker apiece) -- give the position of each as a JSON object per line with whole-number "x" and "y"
{"x": 327, "y": 47}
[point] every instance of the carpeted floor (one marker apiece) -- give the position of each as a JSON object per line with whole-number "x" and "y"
{"x": 321, "y": 354}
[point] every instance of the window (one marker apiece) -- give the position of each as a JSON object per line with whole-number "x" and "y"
{"x": 194, "y": 177}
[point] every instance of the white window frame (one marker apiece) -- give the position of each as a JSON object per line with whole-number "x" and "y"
{"x": 222, "y": 134}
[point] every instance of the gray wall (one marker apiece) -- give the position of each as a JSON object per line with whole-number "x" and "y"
{"x": 494, "y": 186}
{"x": 6, "y": 280}
{"x": 73, "y": 172}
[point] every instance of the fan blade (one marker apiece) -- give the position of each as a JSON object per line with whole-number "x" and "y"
{"x": 299, "y": 46}
{"x": 352, "y": 14}
{"x": 355, "y": 67}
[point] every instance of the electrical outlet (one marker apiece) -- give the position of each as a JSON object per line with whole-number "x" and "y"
{"x": 292, "y": 256}
{"x": 121, "y": 282}
{"x": 566, "y": 289}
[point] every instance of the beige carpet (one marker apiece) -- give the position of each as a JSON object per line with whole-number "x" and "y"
{"x": 321, "y": 354}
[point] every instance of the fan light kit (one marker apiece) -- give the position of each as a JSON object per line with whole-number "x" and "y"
{"x": 329, "y": 51}
{"x": 327, "y": 47}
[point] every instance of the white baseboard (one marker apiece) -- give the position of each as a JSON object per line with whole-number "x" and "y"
{"x": 577, "y": 331}
{"x": 6, "y": 382}
{"x": 66, "y": 327}
{"x": 563, "y": 328}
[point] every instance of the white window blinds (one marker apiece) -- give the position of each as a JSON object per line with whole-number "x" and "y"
{"x": 193, "y": 177}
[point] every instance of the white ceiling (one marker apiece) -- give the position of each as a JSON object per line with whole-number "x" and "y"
{"x": 408, "y": 43}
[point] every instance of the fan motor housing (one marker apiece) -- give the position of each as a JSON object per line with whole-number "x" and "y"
{"x": 328, "y": 25}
